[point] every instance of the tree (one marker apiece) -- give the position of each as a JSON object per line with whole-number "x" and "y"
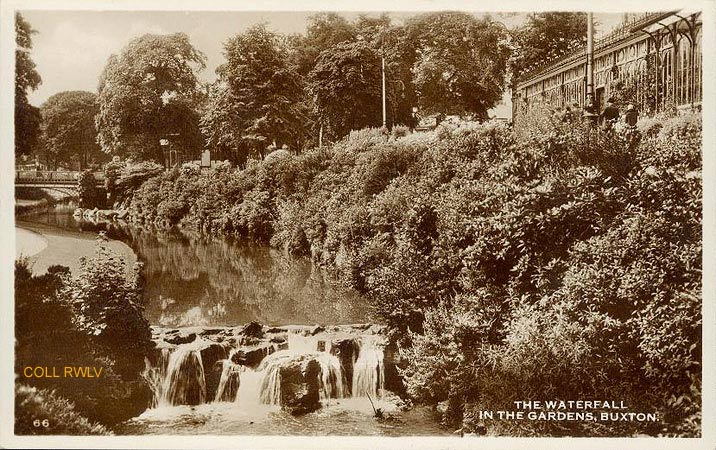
{"x": 323, "y": 31}
{"x": 546, "y": 36}
{"x": 393, "y": 43}
{"x": 149, "y": 92}
{"x": 95, "y": 319}
{"x": 461, "y": 63}
{"x": 68, "y": 133}
{"x": 258, "y": 98}
{"x": 27, "y": 117}
{"x": 346, "y": 86}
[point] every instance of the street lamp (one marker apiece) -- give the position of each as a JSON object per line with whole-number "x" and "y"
{"x": 382, "y": 60}
{"x": 589, "y": 98}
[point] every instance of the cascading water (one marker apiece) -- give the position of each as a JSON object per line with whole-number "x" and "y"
{"x": 155, "y": 375}
{"x": 179, "y": 379}
{"x": 368, "y": 369}
{"x": 331, "y": 378}
{"x": 184, "y": 382}
{"x": 230, "y": 380}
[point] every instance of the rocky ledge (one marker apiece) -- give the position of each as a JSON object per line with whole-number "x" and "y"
{"x": 248, "y": 345}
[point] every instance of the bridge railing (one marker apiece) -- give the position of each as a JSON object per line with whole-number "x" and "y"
{"x": 46, "y": 176}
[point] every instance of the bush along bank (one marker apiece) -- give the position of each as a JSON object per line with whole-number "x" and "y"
{"x": 92, "y": 322}
{"x": 545, "y": 263}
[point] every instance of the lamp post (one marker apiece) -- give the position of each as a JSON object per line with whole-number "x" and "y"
{"x": 589, "y": 103}
{"x": 382, "y": 62}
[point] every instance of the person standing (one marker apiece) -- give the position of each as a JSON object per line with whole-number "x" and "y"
{"x": 610, "y": 114}
{"x": 631, "y": 116}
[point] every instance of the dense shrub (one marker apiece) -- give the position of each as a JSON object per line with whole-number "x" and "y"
{"x": 39, "y": 411}
{"x": 90, "y": 196}
{"x": 92, "y": 320}
{"x": 555, "y": 260}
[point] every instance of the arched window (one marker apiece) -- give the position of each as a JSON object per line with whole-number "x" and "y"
{"x": 643, "y": 88}
{"x": 697, "y": 67}
{"x": 684, "y": 76}
{"x": 665, "y": 80}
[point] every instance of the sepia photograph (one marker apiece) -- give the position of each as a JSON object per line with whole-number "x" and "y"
{"x": 382, "y": 223}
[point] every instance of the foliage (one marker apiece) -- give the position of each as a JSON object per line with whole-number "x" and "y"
{"x": 122, "y": 178}
{"x": 149, "y": 92}
{"x": 257, "y": 100}
{"x": 27, "y": 117}
{"x": 346, "y": 85}
{"x": 90, "y": 196}
{"x": 545, "y": 37}
{"x": 32, "y": 404}
{"x": 323, "y": 31}
{"x": 92, "y": 320}
{"x": 548, "y": 261}
{"x": 68, "y": 131}
{"x": 461, "y": 63}
{"x": 108, "y": 307}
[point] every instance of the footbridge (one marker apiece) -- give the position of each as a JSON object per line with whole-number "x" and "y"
{"x": 63, "y": 181}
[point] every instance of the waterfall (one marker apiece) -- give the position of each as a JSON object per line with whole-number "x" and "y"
{"x": 184, "y": 382}
{"x": 270, "y": 372}
{"x": 332, "y": 378}
{"x": 178, "y": 378}
{"x": 248, "y": 396}
{"x": 230, "y": 381}
{"x": 368, "y": 369}
{"x": 155, "y": 375}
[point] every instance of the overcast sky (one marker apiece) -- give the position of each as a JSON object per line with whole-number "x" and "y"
{"x": 71, "y": 48}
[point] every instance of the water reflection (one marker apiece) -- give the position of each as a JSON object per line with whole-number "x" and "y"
{"x": 193, "y": 280}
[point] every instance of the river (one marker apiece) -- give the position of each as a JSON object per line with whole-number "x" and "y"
{"x": 193, "y": 281}
{"x": 197, "y": 280}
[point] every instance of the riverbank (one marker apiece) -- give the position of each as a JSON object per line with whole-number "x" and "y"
{"x": 33, "y": 200}
{"x": 63, "y": 247}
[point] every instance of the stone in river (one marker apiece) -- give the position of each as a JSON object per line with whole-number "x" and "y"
{"x": 211, "y": 357}
{"x": 393, "y": 362}
{"x": 252, "y": 356}
{"x": 253, "y": 329}
{"x": 299, "y": 385}
{"x": 181, "y": 339}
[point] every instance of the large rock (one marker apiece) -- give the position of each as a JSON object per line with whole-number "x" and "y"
{"x": 299, "y": 385}
{"x": 252, "y": 356}
{"x": 180, "y": 338}
{"x": 211, "y": 357}
{"x": 392, "y": 363}
{"x": 253, "y": 330}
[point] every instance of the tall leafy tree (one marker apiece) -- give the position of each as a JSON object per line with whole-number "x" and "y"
{"x": 461, "y": 63}
{"x": 323, "y": 31}
{"x": 346, "y": 86}
{"x": 546, "y": 36}
{"x": 68, "y": 130}
{"x": 149, "y": 92}
{"x": 27, "y": 117}
{"x": 258, "y": 99}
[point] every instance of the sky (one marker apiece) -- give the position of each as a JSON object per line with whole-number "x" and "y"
{"x": 71, "y": 48}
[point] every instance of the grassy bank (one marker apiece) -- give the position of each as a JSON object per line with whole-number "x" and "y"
{"x": 541, "y": 263}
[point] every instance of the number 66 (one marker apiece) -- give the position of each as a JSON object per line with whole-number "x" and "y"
{"x": 44, "y": 423}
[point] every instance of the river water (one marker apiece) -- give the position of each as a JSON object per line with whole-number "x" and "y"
{"x": 199, "y": 281}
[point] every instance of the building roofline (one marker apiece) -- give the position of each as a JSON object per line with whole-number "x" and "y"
{"x": 622, "y": 32}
